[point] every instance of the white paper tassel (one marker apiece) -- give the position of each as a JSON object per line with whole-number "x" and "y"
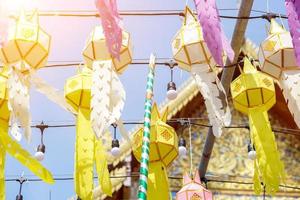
{"x": 290, "y": 84}
{"x": 215, "y": 99}
{"x": 108, "y": 97}
{"x": 15, "y": 131}
{"x": 19, "y": 101}
{"x": 51, "y": 93}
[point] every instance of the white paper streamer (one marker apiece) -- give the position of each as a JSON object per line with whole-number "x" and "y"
{"x": 51, "y": 93}
{"x": 19, "y": 99}
{"x": 215, "y": 99}
{"x": 108, "y": 97}
{"x": 290, "y": 84}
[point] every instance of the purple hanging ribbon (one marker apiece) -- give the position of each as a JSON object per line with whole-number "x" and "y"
{"x": 216, "y": 41}
{"x": 293, "y": 13}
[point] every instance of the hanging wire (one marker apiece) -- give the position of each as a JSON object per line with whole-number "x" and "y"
{"x": 281, "y": 21}
{"x": 268, "y": 7}
{"x": 92, "y": 13}
{"x": 134, "y": 174}
{"x": 282, "y": 130}
{"x": 140, "y": 61}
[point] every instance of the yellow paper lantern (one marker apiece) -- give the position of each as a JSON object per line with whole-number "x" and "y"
{"x": 276, "y": 53}
{"x": 27, "y": 42}
{"x": 88, "y": 150}
{"x": 163, "y": 150}
{"x": 96, "y": 50}
{"x": 189, "y": 47}
{"x": 253, "y": 93}
{"x": 78, "y": 90}
{"x": 252, "y": 89}
{"x": 163, "y": 140}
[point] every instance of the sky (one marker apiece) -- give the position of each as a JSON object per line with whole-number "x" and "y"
{"x": 149, "y": 34}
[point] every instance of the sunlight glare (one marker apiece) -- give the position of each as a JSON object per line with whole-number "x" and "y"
{"x": 18, "y": 5}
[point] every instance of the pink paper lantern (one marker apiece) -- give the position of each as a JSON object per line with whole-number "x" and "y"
{"x": 193, "y": 189}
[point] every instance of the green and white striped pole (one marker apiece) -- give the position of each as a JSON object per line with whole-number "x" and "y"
{"x": 143, "y": 182}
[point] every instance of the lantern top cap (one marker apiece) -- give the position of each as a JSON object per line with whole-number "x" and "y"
{"x": 248, "y": 67}
{"x": 189, "y": 16}
{"x": 84, "y": 70}
{"x": 276, "y": 28}
{"x": 32, "y": 18}
{"x": 187, "y": 179}
{"x": 155, "y": 115}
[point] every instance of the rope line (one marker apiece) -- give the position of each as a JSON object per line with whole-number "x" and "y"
{"x": 136, "y": 175}
{"x": 93, "y": 13}
{"x": 290, "y": 131}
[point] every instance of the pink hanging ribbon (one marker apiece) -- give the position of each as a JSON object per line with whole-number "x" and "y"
{"x": 216, "y": 41}
{"x": 293, "y": 13}
{"x": 110, "y": 20}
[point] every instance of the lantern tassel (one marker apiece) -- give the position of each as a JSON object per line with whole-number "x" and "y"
{"x": 110, "y": 20}
{"x": 19, "y": 99}
{"x": 24, "y": 157}
{"x": 270, "y": 167}
{"x": 215, "y": 100}
{"x": 88, "y": 150}
{"x": 158, "y": 183}
{"x": 293, "y": 13}
{"x": 3, "y": 129}
{"x": 213, "y": 34}
{"x": 51, "y": 93}
{"x": 108, "y": 97}
{"x": 290, "y": 85}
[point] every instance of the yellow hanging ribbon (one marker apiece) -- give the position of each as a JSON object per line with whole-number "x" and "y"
{"x": 88, "y": 149}
{"x": 158, "y": 181}
{"x": 268, "y": 164}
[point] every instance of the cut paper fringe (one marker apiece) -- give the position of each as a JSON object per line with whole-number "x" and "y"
{"x": 293, "y": 13}
{"x": 110, "y": 20}
{"x": 213, "y": 34}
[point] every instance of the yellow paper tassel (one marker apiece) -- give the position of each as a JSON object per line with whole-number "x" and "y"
{"x": 88, "y": 149}
{"x": 158, "y": 182}
{"x": 3, "y": 129}
{"x": 253, "y": 93}
{"x": 270, "y": 167}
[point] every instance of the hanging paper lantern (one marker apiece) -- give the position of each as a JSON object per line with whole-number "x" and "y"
{"x": 193, "y": 189}
{"x": 8, "y": 145}
{"x": 192, "y": 54}
{"x": 163, "y": 150}
{"x": 277, "y": 59}
{"x": 108, "y": 94}
{"x": 96, "y": 50}
{"x": 188, "y": 45}
{"x": 88, "y": 150}
{"x": 253, "y": 93}
{"x": 26, "y": 50}
{"x": 27, "y": 46}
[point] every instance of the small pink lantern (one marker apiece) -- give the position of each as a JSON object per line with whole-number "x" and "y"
{"x": 193, "y": 189}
